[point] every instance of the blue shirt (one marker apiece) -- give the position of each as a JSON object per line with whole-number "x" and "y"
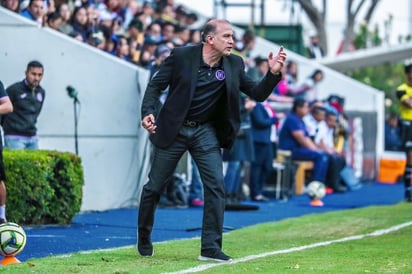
{"x": 26, "y": 13}
{"x": 392, "y": 138}
{"x": 292, "y": 123}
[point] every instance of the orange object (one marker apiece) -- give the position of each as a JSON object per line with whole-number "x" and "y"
{"x": 9, "y": 260}
{"x": 316, "y": 202}
{"x": 390, "y": 170}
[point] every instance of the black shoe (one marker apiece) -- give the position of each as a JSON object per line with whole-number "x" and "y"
{"x": 144, "y": 246}
{"x": 3, "y": 221}
{"x": 216, "y": 256}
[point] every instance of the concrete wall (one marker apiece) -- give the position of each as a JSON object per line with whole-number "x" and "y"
{"x": 112, "y": 145}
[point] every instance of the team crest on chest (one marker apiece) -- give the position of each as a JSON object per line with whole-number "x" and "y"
{"x": 220, "y": 75}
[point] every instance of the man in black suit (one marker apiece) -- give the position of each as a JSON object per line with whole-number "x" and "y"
{"x": 200, "y": 115}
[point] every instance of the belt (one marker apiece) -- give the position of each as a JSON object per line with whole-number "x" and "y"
{"x": 190, "y": 123}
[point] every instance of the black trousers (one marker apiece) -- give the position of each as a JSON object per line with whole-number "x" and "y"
{"x": 204, "y": 148}
{"x": 336, "y": 164}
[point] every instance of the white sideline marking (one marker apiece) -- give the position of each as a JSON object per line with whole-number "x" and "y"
{"x": 376, "y": 233}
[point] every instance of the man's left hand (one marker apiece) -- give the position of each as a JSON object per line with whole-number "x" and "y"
{"x": 277, "y": 62}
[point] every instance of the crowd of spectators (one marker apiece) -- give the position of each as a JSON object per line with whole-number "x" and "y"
{"x": 130, "y": 30}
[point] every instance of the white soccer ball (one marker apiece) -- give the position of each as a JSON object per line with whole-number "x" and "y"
{"x": 316, "y": 189}
{"x": 12, "y": 239}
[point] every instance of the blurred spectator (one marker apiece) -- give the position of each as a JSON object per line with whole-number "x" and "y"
{"x": 13, "y": 5}
{"x": 92, "y": 18}
{"x": 259, "y": 69}
{"x": 161, "y": 53}
{"x": 325, "y": 140}
{"x": 264, "y": 132}
{"x": 146, "y": 15}
{"x": 117, "y": 26}
{"x": 34, "y": 11}
{"x": 27, "y": 97}
{"x": 195, "y": 37}
{"x": 313, "y": 120}
{"x": 111, "y": 41}
{"x": 136, "y": 40}
{"x": 148, "y": 51}
{"x": 392, "y": 133}
{"x": 323, "y": 136}
{"x": 245, "y": 46}
{"x": 79, "y": 22}
{"x": 182, "y": 36}
{"x": 65, "y": 14}
{"x": 129, "y": 12}
{"x": 291, "y": 74}
{"x": 281, "y": 91}
{"x": 181, "y": 15}
{"x": 154, "y": 32}
{"x": 307, "y": 89}
{"x": 314, "y": 51}
{"x": 113, "y": 8}
{"x": 336, "y": 104}
{"x": 293, "y": 136}
{"x": 241, "y": 152}
{"x": 191, "y": 19}
{"x": 49, "y": 7}
{"x": 122, "y": 48}
{"x": 97, "y": 40}
{"x": 167, "y": 14}
{"x": 168, "y": 32}
{"x": 54, "y": 21}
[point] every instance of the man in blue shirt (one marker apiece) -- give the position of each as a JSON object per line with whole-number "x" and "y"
{"x": 34, "y": 11}
{"x": 294, "y": 136}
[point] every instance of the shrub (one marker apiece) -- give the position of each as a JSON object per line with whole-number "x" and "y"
{"x": 43, "y": 187}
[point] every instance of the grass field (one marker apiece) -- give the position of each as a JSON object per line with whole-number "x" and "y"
{"x": 367, "y": 240}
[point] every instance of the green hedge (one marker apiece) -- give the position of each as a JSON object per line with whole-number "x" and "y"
{"x": 43, "y": 187}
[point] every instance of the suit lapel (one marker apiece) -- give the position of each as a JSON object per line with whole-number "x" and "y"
{"x": 228, "y": 73}
{"x": 197, "y": 54}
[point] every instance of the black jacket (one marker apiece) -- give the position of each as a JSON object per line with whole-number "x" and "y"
{"x": 27, "y": 105}
{"x": 179, "y": 72}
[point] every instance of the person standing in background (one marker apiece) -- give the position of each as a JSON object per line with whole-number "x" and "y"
{"x": 241, "y": 152}
{"x": 404, "y": 94}
{"x": 264, "y": 132}
{"x": 27, "y": 97}
{"x": 392, "y": 133}
{"x": 314, "y": 50}
{"x": 5, "y": 107}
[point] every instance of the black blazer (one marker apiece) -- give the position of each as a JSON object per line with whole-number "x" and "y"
{"x": 179, "y": 72}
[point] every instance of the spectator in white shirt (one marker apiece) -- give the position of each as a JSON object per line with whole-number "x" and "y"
{"x": 325, "y": 140}
{"x": 322, "y": 134}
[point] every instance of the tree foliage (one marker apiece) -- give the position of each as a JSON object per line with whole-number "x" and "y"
{"x": 385, "y": 77}
{"x": 354, "y": 9}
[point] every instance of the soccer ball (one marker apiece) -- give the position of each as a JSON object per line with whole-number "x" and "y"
{"x": 12, "y": 239}
{"x": 316, "y": 190}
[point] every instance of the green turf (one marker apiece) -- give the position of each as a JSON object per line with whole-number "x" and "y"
{"x": 389, "y": 253}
